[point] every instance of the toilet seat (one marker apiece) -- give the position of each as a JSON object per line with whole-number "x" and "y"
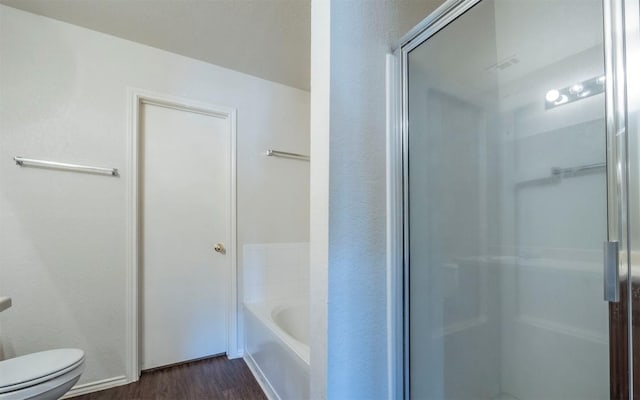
{"x": 32, "y": 369}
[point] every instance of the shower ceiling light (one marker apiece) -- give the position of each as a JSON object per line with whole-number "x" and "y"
{"x": 586, "y": 93}
{"x": 552, "y": 95}
{"x": 577, "y": 91}
{"x": 563, "y": 99}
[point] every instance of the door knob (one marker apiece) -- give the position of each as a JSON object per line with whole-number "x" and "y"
{"x": 219, "y": 247}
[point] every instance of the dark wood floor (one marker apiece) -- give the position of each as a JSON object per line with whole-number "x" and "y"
{"x": 213, "y": 378}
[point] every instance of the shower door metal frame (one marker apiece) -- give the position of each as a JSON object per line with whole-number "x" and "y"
{"x": 622, "y": 30}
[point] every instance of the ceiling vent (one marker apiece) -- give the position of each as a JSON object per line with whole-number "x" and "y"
{"x": 504, "y": 64}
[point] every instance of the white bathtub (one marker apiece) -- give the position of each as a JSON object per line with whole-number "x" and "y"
{"x": 277, "y": 347}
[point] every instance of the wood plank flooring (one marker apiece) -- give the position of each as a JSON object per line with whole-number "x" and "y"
{"x": 213, "y": 378}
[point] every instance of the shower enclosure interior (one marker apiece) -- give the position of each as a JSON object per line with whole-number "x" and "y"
{"x": 508, "y": 195}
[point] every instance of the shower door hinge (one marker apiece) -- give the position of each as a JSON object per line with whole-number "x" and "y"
{"x": 611, "y": 272}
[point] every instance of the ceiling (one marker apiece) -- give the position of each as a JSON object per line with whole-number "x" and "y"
{"x": 269, "y": 39}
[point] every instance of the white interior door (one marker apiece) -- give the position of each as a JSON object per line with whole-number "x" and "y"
{"x": 185, "y": 212}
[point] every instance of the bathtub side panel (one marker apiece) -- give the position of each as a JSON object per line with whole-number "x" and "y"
{"x": 284, "y": 371}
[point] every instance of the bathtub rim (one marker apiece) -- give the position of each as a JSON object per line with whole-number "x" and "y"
{"x": 263, "y": 311}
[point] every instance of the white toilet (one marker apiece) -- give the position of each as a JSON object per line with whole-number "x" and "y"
{"x": 46, "y": 375}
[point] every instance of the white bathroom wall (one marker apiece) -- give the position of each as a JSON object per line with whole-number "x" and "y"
{"x": 348, "y": 121}
{"x": 558, "y": 236}
{"x": 275, "y": 271}
{"x": 63, "y": 97}
{"x": 319, "y": 195}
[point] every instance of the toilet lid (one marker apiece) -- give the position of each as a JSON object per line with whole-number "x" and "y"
{"x": 31, "y": 367}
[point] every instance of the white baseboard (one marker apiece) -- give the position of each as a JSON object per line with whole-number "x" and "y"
{"x": 96, "y": 386}
{"x": 237, "y": 354}
{"x": 264, "y": 383}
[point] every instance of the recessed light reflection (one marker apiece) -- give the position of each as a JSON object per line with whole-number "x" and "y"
{"x": 586, "y": 93}
{"x": 576, "y": 91}
{"x": 552, "y": 95}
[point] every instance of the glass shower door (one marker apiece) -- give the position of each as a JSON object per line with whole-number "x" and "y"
{"x": 506, "y": 207}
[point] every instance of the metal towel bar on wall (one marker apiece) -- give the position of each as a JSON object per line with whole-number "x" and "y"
{"x": 558, "y": 173}
{"x": 276, "y": 153}
{"x": 581, "y": 169}
{"x": 21, "y": 161}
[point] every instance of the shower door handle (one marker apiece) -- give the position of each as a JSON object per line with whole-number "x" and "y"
{"x": 616, "y": 255}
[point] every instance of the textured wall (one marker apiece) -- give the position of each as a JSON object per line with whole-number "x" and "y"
{"x": 63, "y": 234}
{"x": 362, "y": 32}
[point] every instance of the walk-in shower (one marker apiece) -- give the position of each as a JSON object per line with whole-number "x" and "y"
{"x": 517, "y": 159}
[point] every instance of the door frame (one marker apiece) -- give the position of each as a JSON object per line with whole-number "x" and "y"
{"x": 397, "y": 173}
{"x": 136, "y": 98}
